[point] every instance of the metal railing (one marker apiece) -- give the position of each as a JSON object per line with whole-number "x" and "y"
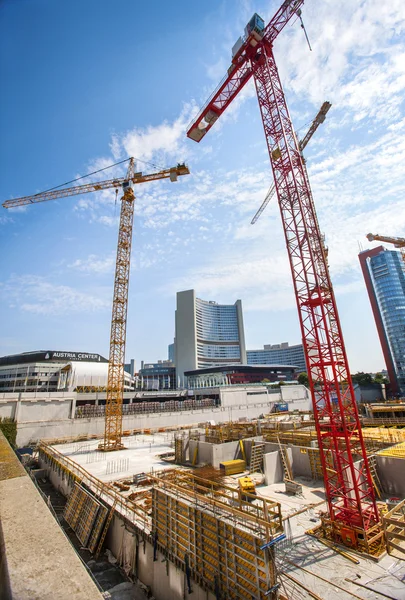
{"x": 89, "y": 411}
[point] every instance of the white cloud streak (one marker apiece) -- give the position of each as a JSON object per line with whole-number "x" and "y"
{"x": 35, "y": 294}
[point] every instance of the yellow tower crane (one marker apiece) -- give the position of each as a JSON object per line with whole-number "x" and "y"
{"x": 397, "y": 241}
{"x": 115, "y": 384}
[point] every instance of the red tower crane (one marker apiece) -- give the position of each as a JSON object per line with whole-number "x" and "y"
{"x": 320, "y": 117}
{"x": 353, "y": 515}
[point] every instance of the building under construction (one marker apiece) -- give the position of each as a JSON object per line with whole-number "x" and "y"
{"x": 173, "y": 508}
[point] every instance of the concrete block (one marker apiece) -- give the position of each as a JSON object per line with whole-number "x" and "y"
{"x": 273, "y": 468}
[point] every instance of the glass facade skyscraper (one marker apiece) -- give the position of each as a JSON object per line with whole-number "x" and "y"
{"x": 217, "y": 333}
{"x": 384, "y": 274}
{"x": 207, "y": 333}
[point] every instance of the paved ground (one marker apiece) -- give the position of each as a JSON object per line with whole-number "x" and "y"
{"x": 387, "y": 576}
{"x": 140, "y": 455}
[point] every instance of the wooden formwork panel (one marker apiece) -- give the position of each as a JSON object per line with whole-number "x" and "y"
{"x": 82, "y": 512}
{"x": 73, "y": 505}
{"x": 224, "y": 556}
{"x": 87, "y": 518}
{"x": 97, "y": 529}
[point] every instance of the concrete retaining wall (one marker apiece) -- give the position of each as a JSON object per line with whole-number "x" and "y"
{"x": 32, "y": 431}
{"x": 391, "y": 472}
{"x": 167, "y": 582}
{"x": 50, "y": 415}
{"x": 41, "y": 563}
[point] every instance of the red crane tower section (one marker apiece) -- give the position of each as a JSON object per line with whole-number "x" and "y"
{"x": 353, "y": 515}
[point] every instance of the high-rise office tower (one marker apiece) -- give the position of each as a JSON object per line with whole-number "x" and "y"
{"x": 207, "y": 333}
{"x": 384, "y": 274}
{"x": 170, "y": 353}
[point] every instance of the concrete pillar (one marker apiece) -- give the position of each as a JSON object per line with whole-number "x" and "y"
{"x": 17, "y": 408}
{"x": 73, "y": 408}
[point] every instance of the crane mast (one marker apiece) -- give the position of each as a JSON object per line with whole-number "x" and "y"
{"x": 353, "y": 517}
{"x": 115, "y": 382}
{"x": 115, "y": 379}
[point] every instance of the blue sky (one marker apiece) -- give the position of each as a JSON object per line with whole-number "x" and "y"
{"x": 86, "y": 84}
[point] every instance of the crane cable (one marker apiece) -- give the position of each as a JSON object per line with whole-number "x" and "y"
{"x": 81, "y": 177}
{"x": 95, "y": 172}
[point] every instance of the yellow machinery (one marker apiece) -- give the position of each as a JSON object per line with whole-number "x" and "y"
{"x": 115, "y": 385}
{"x": 232, "y": 467}
{"x": 246, "y": 485}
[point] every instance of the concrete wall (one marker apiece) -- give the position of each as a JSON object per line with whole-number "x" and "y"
{"x": 273, "y": 468}
{"x": 214, "y": 454}
{"x": 44, "y": 410}
{"x": 7, "y": 409}
{"x": 247, "y": 397}
{"x": 205, "y": 451}
{"x": 49, "y": 415}
{"x": 41, "y": 562}
{"x": 300, "y": 462}
{"x": 33, "y": 431}
{"x": 391, "y": 472}
{"x": 298, "y": 397}
{"x": 223, "y": 452}
{"x": 167, "y": 582}
{"x": 164, "y": 578}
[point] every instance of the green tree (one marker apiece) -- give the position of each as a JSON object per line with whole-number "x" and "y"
{"x": 379, "y": 378}
{"x": 303, "y": 379}
{"x": 362, "y": 378}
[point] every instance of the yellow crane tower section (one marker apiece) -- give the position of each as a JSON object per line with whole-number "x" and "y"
{"x": 115, "y": 384}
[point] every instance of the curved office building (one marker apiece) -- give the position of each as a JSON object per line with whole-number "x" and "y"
{"x": 207, "y": 333}
{"x": 384, "y": 274}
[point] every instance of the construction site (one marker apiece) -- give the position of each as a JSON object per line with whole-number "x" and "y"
{"x": 254, "y": 504}
{"x": 234, "y": 510}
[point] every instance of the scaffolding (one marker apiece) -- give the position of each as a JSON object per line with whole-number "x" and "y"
{"x": 256, "y": 457}
{"x": 397, "y": 451}
{"x": 394, "y": 529}
{"x": 231, "y": 432}
{"x": 215, "y": 534}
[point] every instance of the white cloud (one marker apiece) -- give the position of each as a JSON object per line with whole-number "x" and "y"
{"x": 159, "y": 144}
{"x": 347, "y": 39}
{"x": 263, "y": 282}
{"x": 94, "y": 264}
{"x": 35, "y": 294}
